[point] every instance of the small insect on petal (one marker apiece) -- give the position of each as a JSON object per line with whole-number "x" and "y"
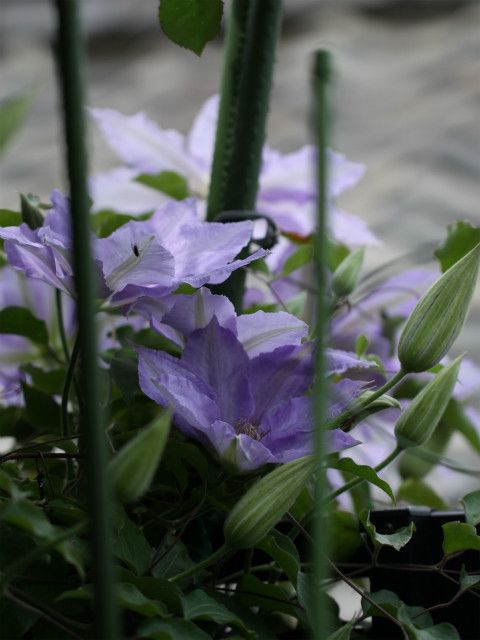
{"x": 439, "y": 315}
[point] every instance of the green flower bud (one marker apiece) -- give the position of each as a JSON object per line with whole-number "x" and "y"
{"x": 436, "y": 321}
{"x": 346, "y": 275}
{"x": 417, "y": 424}
{"x": 259, "y": 510}
{"x": 134, "y": 466}
{"x": 379, "y": 404}
{"x": 31, "y": 212}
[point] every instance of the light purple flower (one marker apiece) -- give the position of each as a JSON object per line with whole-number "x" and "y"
{"x": 287, "y": 190}
{"x": 152, "y": 258}
{"x": 148, "y": 258}
{"x": 250, "y": 411}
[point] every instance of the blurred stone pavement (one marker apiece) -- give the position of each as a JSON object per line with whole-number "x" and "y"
{"x": 407, "y": 101}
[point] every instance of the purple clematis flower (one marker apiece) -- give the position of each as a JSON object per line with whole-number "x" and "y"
{"x": 249, "y": 411}
{"x": 287, "y": 185}
{"x": 134, "y": 261}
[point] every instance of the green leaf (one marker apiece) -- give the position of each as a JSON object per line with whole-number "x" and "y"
{"x": 173, "y": 629}
{"x": 252, "y": 592}
{"x": 386, "y": 599}
{"x": 25, "y": 515}
{"x": 130, "y": 597}
{"x": 168, "y": 182}
{"x": 49, "y": 382}
{"x": 282, "y": 549}
{"x": 468, "y": 581}
{"x": 344, "y": 632}
{"x": 416, "y": 492}
{"x": 471, "y": 502}
{"x": 396, "y": 540}
{"x": 345, "y": 536}
{"x": 105, "y": 222}
{"x": 154, "y": 588}
{"x": 462, "y": 237}
{"x": 10, "y": 218}
{"x": 21, "y": 322}
{"x": 124, "y": 371}
{"x": 13, "y": 111}
{"x": 199, "y": 605}
{"x": 41, "y": 410}
{"x": 191, "y": 23}
{"x": 130, "y": 544}
{"x": 419, "y": 629}
{"x": 302, "y": 256}
{"x": 361, "y": 345}
{"x": 347, "y": 465}
{"x": 175, "y": 558}
{"x": 75, "y": 552}
{"x": 459, "y": 536}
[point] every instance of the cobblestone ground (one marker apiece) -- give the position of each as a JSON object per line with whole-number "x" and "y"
{"x": 407, "y": 100}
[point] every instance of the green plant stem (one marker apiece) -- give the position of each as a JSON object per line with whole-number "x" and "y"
{"x": 67, "y": 386}
{"x": 23, "y": 561}
{"x": 189, "y": 573}
{"x": 244, "y": 97}
{"x": 61, "y": 324}
{"x": 70, "y": 52}
{"x": 321, "y": 534}
{"x": 356, "y": 481}
{"x": 359, "y": 405}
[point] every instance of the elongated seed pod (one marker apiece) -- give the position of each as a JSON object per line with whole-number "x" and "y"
{"x": 134, "y": 466}
{"x": 438, "y": 318}
{"x": 259, "y": 510}
{"x": 417, "y": 424}
{"x": 346, "y": 275}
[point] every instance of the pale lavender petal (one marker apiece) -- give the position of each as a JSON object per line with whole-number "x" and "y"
{"x": 216, "y": 276}
{"x": 201, "y": 137}
{"x": 170, "y": 221}
{"x": 338, "y": 440}
{"x": 280, "y": 375}
{"x": 204, "y": 247}
{"x": 216, "y": 356}
{"x": 253, "y": 296}
{"x": 344, "y": 174}
{"x": 351, "y": 230}
{"x": 117, "y": 190}
{"x": 288, "y": 176}
{"x": 143, "y": 145}
{"x": 297, "y": 218}
{"x": 168, "y": 382}
{"x": 468, "y": 383}
{"x": 132, "y": 257}
{"x": 260, "y": 331}
{"x": 191, "y": 312}
{"x": 239, "y": 453}
{"x": 341, "y": 361}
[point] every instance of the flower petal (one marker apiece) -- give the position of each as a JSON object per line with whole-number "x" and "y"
{"x": 341, "y": 361}
{"x": 168, "y": 382}
{"x": 282, "y": 374}
{"x": 260, "y": 331}
{"x": 117, "y": 190}
{"x": 216, "y": 356}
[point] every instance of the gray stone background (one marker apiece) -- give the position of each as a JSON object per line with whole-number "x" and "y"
{"x": 407, "y": 101}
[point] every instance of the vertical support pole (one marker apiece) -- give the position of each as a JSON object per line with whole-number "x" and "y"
{"x": 321, "y": 540}
{"x": 71, "y": 66}
{"x": 247, "y": 77}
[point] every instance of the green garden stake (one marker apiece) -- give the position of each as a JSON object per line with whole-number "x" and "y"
{"x": 247, "y": 76}
{"x": 321, "y": 125}
{"x": 71, "y": 64}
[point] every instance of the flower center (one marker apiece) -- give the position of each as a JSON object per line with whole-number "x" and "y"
{"x": 249, "y": 429}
